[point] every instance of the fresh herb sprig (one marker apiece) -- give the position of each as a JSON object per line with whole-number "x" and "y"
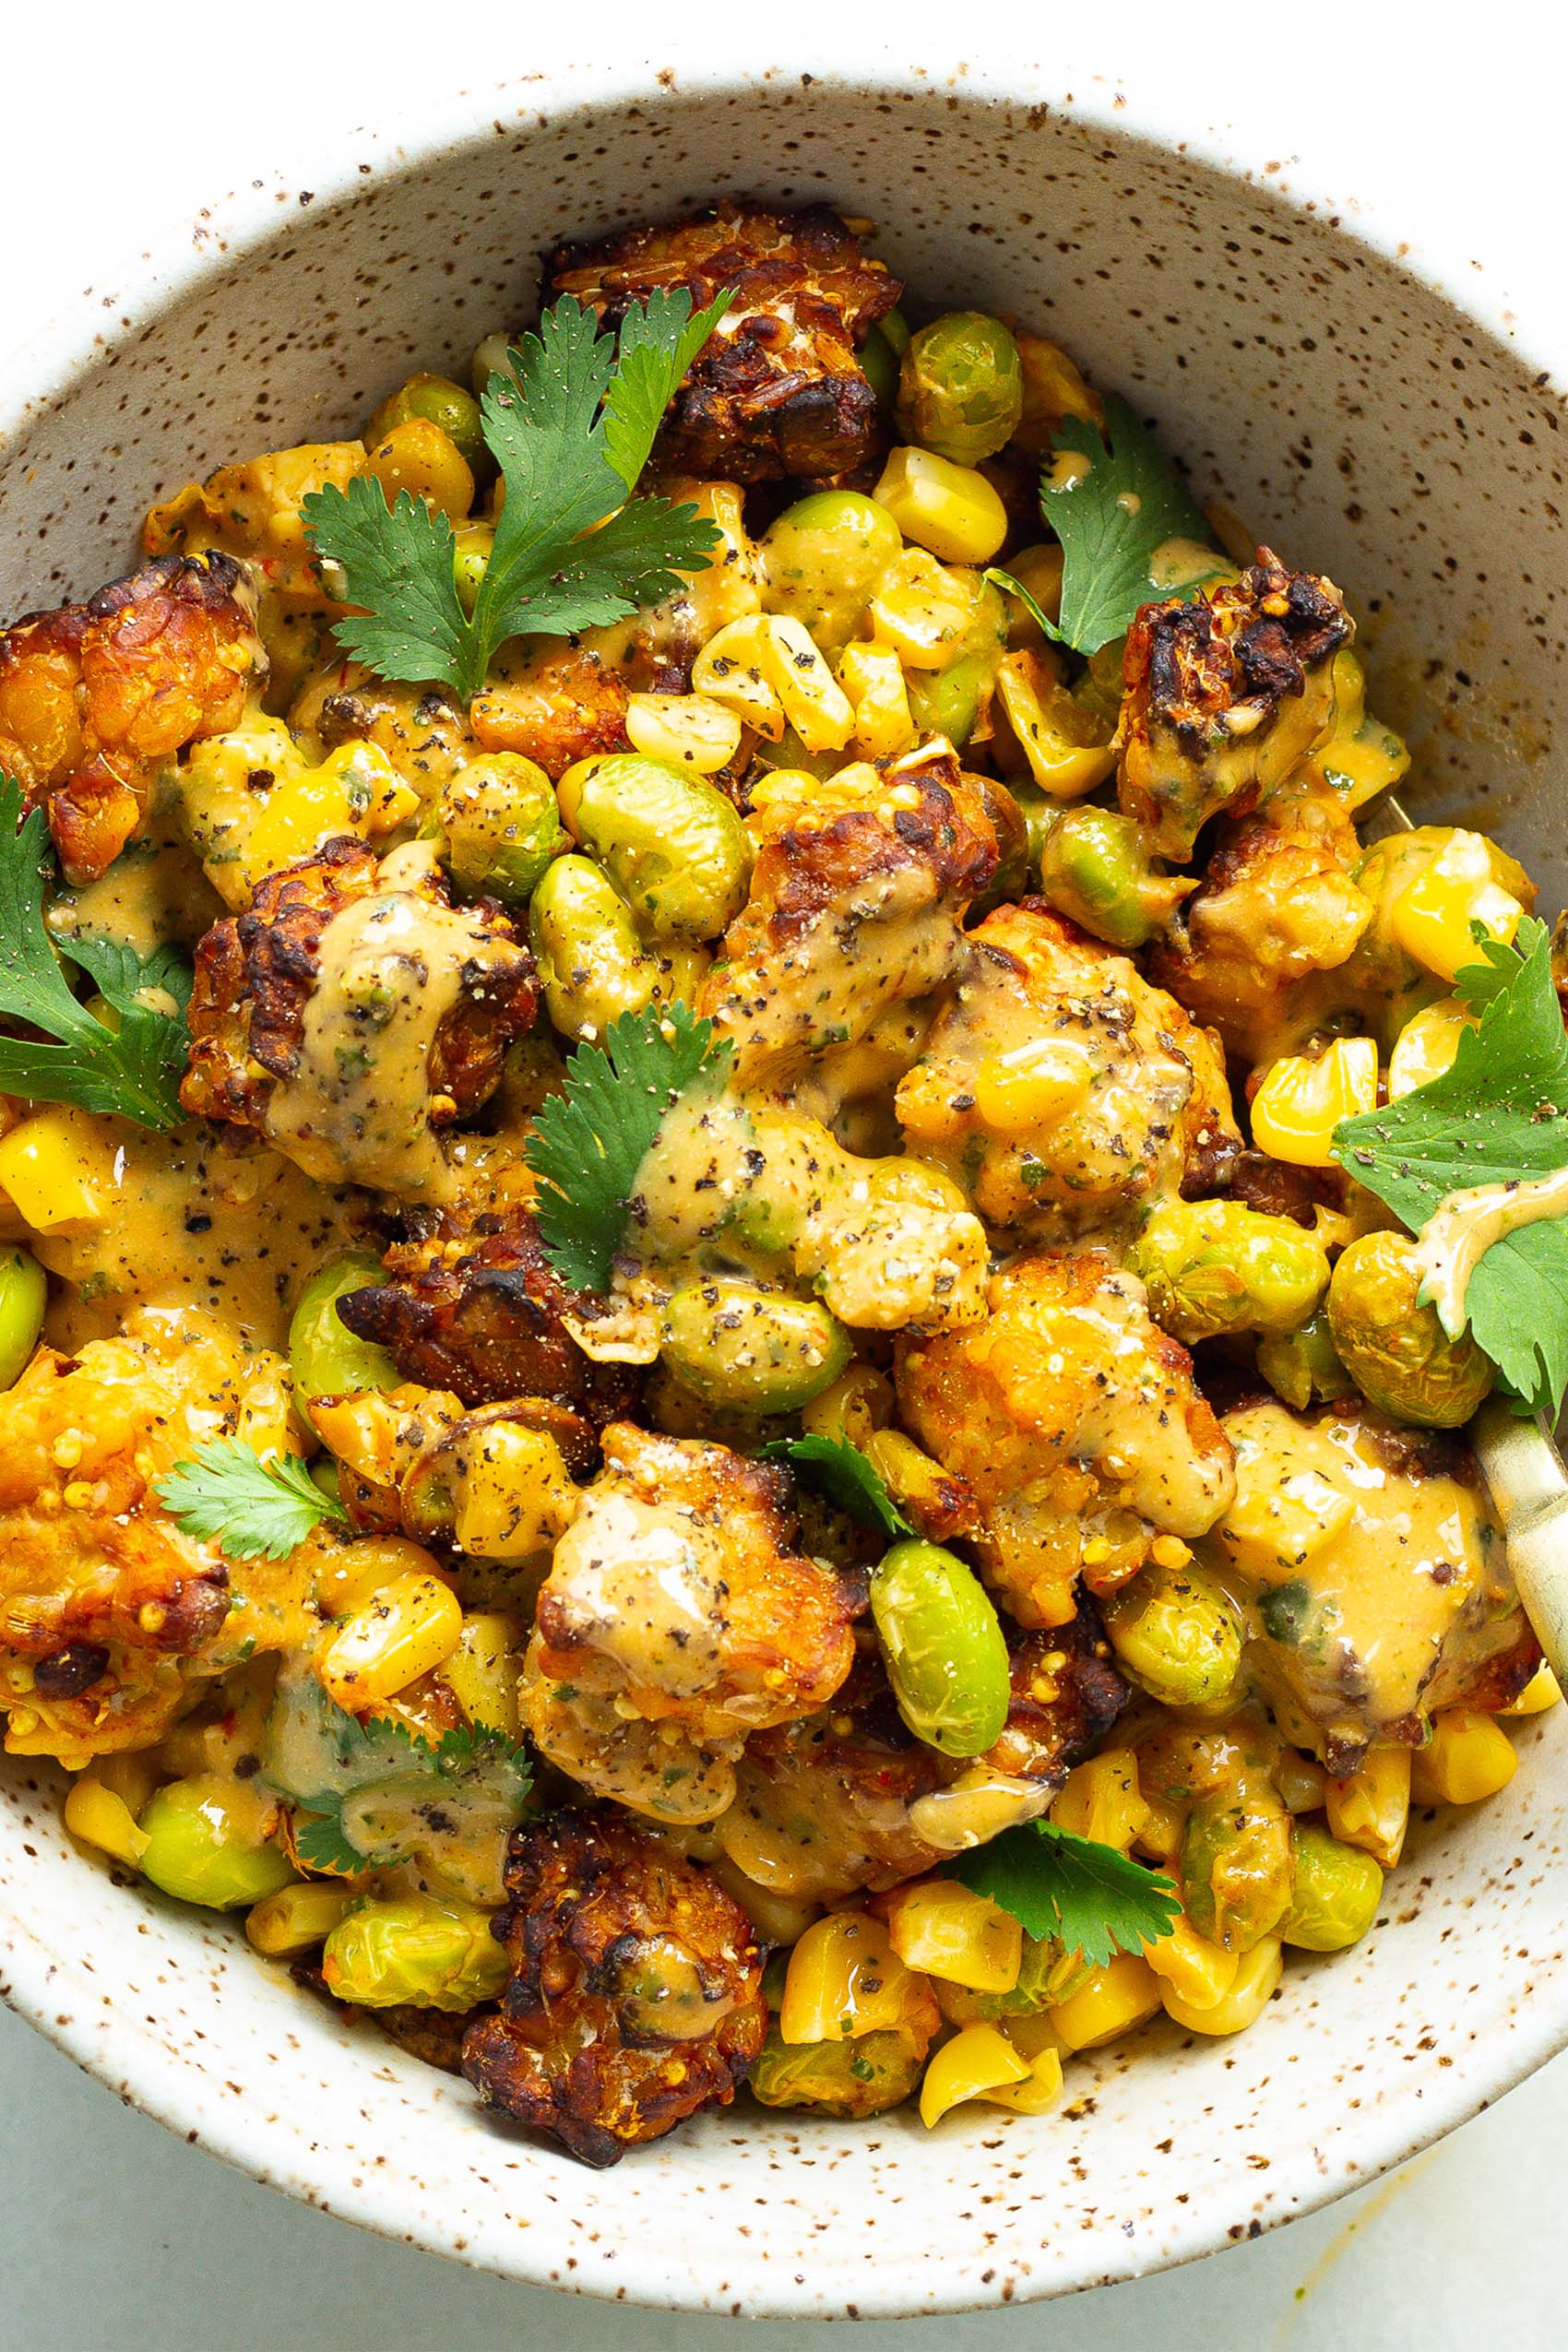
{"x": 589, "y": 1141}
{"x": 845, "y": 1476}
{"x": 571, "y": 420}
{"x": 132, "y": 1069}
{"x": 1499, "y": 1114}
{"x": 253, "y": 1510}
{"x": 1096, "y": 1900}
{"x": 1111, "y": 517}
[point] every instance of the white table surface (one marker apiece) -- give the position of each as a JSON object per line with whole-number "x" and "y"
{"x": 114, "y": 2235}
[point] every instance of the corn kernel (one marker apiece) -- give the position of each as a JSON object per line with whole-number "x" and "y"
{"x": 58, "y": 1169}
{"x": 814, "y": 703}
{"x": 296, "y": 1919}
{"x": 1257, "y": 1978}
{"x": 1040, "y": 2094}
{"x": 952, "y": 511}
{"x": 978, "y": 2059}
{"x": 1160, "y": 1835}
{"x": 1113, "y": 2000}
{"x": 481, "y": 1672}
{"x": 1300, "y": 1780}
{"x": 690, "y": 731}
{"x": 130, "y": 1775}
{"x": 1468, "y": 1756}
{"x": 1067, "y": 756}
{"x": 1426, "y": 1046}
{"x": 1371, "y": 1807}
{"x": 924, "y": 609}
{"x": 947, "y": 1930}
{"x": 872, "y": 677}
{"x": 1540, "y": 1692}
{"x": 515, "y": 1493}
{"x": 418, "y": 457}
{"x": 1199, "y": 1973}
{"x": 1276, "y": 1525}
{"x": 353, "y": 1573}
{"x": 735, "y": 670}
{"x": 1300, "y": 1102}
{"x": 1101, "y": 1798}
{"x": 98, "y": 1817}
{"x": 1033, "y": 1086}
{"x": 1432, "y": 918}
{"x": 845, "y": 1979}
{"x": 411, "y": 1627}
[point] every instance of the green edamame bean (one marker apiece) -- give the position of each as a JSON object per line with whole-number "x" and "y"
{"x": 1395, "y": 1350}
{"x": 24, "y": 1293}
{"x": 326, "y": 1359}
{"x": 1337, "y": 1892}
{"x": 948, "y": 701}
{"x": 1236, "y": 1865}
{"x": 500, "y": 826}
{"x": 1095, "y": 869}
{"x": 1216, "y": 1268}
{"x": 961, "y": 386}
{"x": 437, "y": 1955}
{"x": 1177, "y": 1635}
{"x": 674, "y": 846}
{"x": 761, "y": 1351}
{"x": 851, "y": 2079}
{"x": 439, "y": 401}
{"x": 823, "y": 559}
{"x": 944, "y": 1648}
{"x": 473, "y": 547}
{"x": 1303, "y": 1366}
{"x": 592, "y": 966}
{"x": 203, "y": 1843}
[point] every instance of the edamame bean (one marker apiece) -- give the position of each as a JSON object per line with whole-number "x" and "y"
{"x": 326, "y": 1359}
{"x": 761, "y": 1351}
{"x": 674, "y": 846}
{"x": 207, "y": 1842}
{"x": 857, "y": 2078}
{"x": 961, "y": 386}
{"x": 1395, "y": 1350}
{"x": 1176, "y": 1633}
{"x": 1236, "y": 1866}
{"x": 439, "y": 401}
{"x": 948, "y": 701}
{"x": 437, "y": 1955}
{"x": 944, "y": 1648}
{"x": 473, "y": 547}
{"x": 823, "y": 559}
{"x": 592, "y": 966}
{"x": 500, "y": 826}
{"x": 1217, "y": 1268}
{"x": 1095, "y": 869}
{"x": 1337, "y": 1892}
{"x": 24, "y": 1293}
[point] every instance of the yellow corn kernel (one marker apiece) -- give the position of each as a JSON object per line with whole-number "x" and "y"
{"x": 924, "y": 609}
{"x": 1362, "y": 757}
{"x": 418, "y": 457}
{"x": 814, "y": 703}
{"x": 98, "y": 1817}
{"x": 947, "y": 1930}
{"x": 353, "y": 1573}
{"x": 296, "y": 1919}
{"x": 858, "y": 1403}
{"x": 1199, "y": 1973}
{"x": 1300, "y": 1780}
{"x": 515, "y": 1493}
{"x": 979, "y": 2059}
{"x": 1033, "y": 1086}
{"x": 1257, "y": 1976}
{"x": 952, "y": 511}
{"x": 481, "y": 1672}
{"x": 735, "y": 670}
{"x": 1101, "y": 1798}
{"x": 1053, "y": 388}
{"x": 1540, "y": 1692}
{"x": 1468, "y": 1756}
{"x": 1067, "y": 756}
{"x": 845, "y": 1979}
{"x": 1038, "y": 569}
{"x": 1040, "y": 2094}
{"x": 1300, "y": 1102}
{"x": 58, "y": 1169}
{"x": 779, "y": 1919}
{"x": 1160, "y": 1835}
{"x": 1274, "y": 1527}
{"x": 1115, "y": 1999}
{"x": 131, "y": 1774}
{"x": 1426, "y": 1046}
{"x": 690, "y": 731}
{"x": 872, "y": 677}
{"x": 411, "y": 1627}
{"x": 1431, "y": 917}
{"x": 1371, "y": 1808}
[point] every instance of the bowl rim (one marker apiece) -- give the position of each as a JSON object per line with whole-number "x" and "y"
{"x": 45, "y": 1982}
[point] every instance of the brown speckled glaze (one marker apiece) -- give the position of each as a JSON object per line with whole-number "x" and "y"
{"x": 1365, "y": 427}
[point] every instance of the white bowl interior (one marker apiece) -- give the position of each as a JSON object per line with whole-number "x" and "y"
{"x": 1362, "y": 425}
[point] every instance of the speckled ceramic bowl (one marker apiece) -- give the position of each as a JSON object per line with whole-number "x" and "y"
{"x": 1369, "y": 428}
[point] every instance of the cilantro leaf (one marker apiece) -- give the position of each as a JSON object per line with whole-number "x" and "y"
{"x": 255, "y": 1510}
{"x": 1055, "y": 1883}
{"x": 571, "y": 419}
{"x": 589, "y": 1141}
{"x": 844, "y": 1475}
{"x": 1498, "y": 1115}
{"x": 1113, "y": 517}
{"x": 130, "y": 1070}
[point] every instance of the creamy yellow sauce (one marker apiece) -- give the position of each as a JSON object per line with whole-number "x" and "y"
{"x": 1456, "y": 1238}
